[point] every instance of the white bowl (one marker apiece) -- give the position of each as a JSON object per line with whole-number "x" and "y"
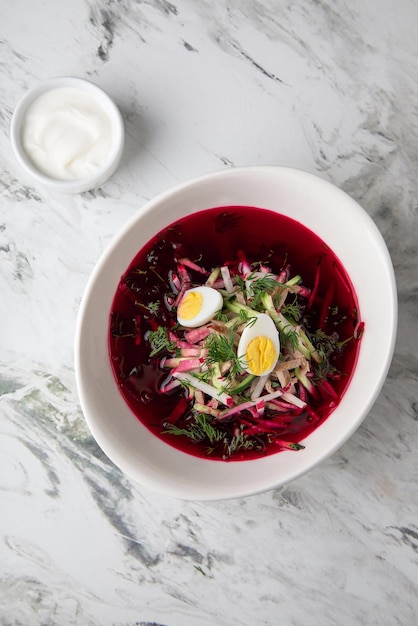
{"x": 117, "y": 135}
{"x": 342, "y": 224}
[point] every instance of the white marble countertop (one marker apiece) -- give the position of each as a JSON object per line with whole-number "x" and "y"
{"x": 329, "y": 87}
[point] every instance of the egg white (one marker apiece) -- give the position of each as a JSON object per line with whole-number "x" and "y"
{"x": 212, "y": 303}
{"x": 263, "y": 326}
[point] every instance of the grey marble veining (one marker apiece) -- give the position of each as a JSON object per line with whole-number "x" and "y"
{"x": 330, "y": 87}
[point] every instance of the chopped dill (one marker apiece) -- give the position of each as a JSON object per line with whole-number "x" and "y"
{"x": 239, "y": 441}
{"x": 197, "y": 430}
{"x": 265, "y": 283}
{"x": 153, "y": 307}
{"x": 259, "y": 287}
{"x": 240, "y": 282}
{"x": 296, "y": 446}
{"x": 220, "y": 316}
{"x": 253, "y": 288}
{"x": 292, "y": 310}
{"x": 159, "y": 341}
{"x": 289, "y": 337}
{"x": 204, "y": 375}
{"x": 244, "y": 316}
{"x": 221, "y": 349}
{"x": 325, "y": 344}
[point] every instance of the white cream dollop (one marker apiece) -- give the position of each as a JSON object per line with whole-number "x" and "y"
{"x": 67, "y": 134}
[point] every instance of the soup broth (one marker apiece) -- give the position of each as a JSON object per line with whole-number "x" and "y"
{"x": 145, "y": 301}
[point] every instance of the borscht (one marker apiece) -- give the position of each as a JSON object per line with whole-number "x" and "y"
{"x": 234, "y": 332}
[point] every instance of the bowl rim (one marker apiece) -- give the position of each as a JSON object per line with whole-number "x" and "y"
{"x": 74, "y": 185}
{"x": 148, "y": 475}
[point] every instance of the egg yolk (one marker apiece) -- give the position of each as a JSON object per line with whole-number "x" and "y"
{"x": 260, "y": 355}
{"x": 191, "y": 305}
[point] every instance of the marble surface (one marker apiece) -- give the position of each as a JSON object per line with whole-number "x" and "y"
{"x": 329, "y": 87}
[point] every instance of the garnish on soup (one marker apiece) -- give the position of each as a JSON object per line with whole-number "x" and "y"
{"x": 234, "y": 343}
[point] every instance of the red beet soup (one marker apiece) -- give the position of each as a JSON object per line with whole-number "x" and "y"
{"x": 271, "y": 264}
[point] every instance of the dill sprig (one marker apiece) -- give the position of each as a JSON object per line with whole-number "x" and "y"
{"x": 221, "y": 349}
{"x": 265, "y": 283}
{"x": 198, "y": 430}
{"x": 325, "y": 344}
{"x": 202, "y": 429}
{"x": 259, "y": 287}
{"x": 292, "y": 310}
{"x": 289, "y": 337}
{"x": 240, "y": 282}
{"x": 153, "y": 307}
{"x": 204, "y": 375}
{"x": 246, "y": 317}
{"x": 159, "y": 341}
{"x": 221, "y": 316}
{"x": 239, "y": 441}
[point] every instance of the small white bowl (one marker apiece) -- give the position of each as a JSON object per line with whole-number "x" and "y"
{"x": 117, "y": 135}
{"x": 343, "y": 225}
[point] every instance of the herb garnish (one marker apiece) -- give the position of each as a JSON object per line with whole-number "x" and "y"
{"x": 159, "y": 341}
{"x": 197, "y": 430}
{"x": 221, "y": 349}
{"x": 292, "y": 310}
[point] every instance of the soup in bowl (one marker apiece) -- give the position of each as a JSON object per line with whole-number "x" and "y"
{"x": 225, "y": 339}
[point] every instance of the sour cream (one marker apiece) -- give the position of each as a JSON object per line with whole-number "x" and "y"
{"x": 67, "y": 134}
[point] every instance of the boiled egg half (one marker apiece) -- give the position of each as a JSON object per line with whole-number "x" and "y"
{"x": 259, "y": 345}
{"x": 198, "y": 306}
